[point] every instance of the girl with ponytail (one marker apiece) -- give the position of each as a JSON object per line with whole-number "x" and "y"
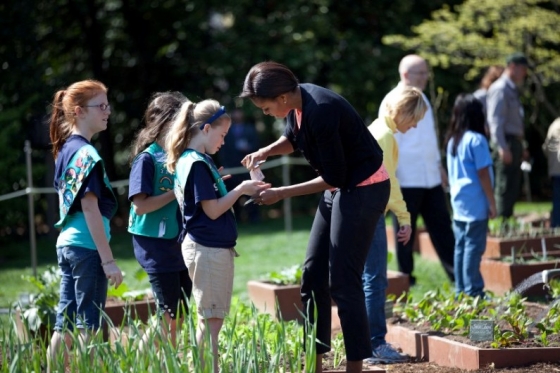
{"x": 154, "y": 216}
{"x": 86, "y": 205}
{"x": 209, "y": 232}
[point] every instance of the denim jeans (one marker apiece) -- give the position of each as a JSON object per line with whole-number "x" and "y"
{"x": 334, "y": 264}
{"x": 83, "y": 289}
{"x": 470, "y": 243}
{"x": 375, "y": 284}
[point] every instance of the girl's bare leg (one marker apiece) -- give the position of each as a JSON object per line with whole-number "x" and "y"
{"x": 214, "y": 326}
{"x": 54, "y": 347}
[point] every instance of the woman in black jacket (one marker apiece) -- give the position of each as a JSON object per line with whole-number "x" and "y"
{"x": 333, "y": 138}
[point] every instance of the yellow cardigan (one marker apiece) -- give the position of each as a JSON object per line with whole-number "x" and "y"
{"x": 383, "y": 130}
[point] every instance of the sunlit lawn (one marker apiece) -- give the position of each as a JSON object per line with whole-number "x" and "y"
{"x": 263, "y": 247}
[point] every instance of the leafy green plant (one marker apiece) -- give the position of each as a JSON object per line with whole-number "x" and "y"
{"x": 40, "y": 309}
{"x": 549, "y": 325}
{"x": 513, "y": 228}
{"x": 249, "y": 342}
{"x": 287, "y": 276}
{"x": 452, "y": 314}
{"x": 554, "y": 288}
{"x": 124, "y": 293}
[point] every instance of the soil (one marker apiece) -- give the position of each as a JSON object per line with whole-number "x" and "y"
{"x": 426, "y": 367}
{"x": 533, "y": 310}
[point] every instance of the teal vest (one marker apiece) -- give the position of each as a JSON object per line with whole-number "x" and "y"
{"x": 73, "y": 177}
{"x": 161, "y": 223}
{"x": 183, "y": 168}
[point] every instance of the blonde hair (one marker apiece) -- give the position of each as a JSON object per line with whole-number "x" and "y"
{"x": 408, "y": 102}
{"x": 64, "y": 102}
{"x": 187, "y": 123}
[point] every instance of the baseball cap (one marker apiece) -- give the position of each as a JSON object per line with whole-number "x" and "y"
{"x": 517, "y": 58}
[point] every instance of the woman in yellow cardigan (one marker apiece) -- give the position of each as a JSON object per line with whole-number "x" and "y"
{"x": 404, "y": 109}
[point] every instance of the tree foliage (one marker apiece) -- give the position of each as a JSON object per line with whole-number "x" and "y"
{"x": 477, "y": 34}
{"x": 202, "y": 48}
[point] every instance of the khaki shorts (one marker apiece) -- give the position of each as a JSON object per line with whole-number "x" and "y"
{"x": 211, "y": 271}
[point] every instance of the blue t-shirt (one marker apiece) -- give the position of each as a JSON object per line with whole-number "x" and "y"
{"x": 468, "y": 200}
{"x": 155, "y": 255}
{"x": 94, "y": 183}
{"x": 219, "y": 233}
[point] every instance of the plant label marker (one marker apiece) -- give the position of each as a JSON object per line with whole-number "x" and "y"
{"x": 481, "y": 330}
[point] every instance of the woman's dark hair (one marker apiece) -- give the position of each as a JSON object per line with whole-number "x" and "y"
{"x": 158, "y": 117}
{"x": 467, "y": 114}
{"x": 268, "y": 80}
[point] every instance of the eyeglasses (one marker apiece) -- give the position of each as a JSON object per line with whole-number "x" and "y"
{"x": 218, "y": 114}
{"x": 102, "y": 107}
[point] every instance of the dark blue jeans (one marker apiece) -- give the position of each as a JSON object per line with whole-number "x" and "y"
{"x": 375, "y": 284}
{"x": 336, "y": 254}
{"x": 470, "y": 243}
{"x": 83, "y": 289}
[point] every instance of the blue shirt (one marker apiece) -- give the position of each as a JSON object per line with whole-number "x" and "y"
{"x": 155, "y": 255}
{"x": 468, "y": 200}
{"x": 94, "y": 183}
{"x": 219, "y": 233}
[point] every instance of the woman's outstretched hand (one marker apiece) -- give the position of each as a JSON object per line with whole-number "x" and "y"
{"x": 268, "y": 196}
{"x": 251, "y": 160}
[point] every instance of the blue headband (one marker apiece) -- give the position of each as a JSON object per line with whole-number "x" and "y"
{"x": 218, "y": 114}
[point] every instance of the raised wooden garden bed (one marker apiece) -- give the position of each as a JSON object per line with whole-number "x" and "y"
{"x": 264, "y": 295}
{"x": 497, "y": 247}
{"x": 448, "y": 353}
{"x": 118, "y": 312}
{"x": 501, "y": 276}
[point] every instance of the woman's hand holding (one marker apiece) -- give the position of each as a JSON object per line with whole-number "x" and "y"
{"x": 268, "y": 196}
{"x": 251, "y": 160}
{"x": 113, "y": 273}
{"x": 403, "y": 235}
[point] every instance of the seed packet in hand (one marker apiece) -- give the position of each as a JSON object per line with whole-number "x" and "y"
{"x": 256, "y": 174}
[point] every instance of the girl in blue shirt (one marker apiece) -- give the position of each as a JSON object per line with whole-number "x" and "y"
{"x": 154, "y": 215}
{"x": 469, "y": 166}
{"x": 86, "y": 205}
{"x": 209, "y": 232}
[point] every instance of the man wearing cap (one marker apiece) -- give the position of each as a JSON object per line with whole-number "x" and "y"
{"x": 505, "y": 120}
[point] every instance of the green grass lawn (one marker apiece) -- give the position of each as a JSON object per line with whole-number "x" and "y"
{"x": 264, "y": 247}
